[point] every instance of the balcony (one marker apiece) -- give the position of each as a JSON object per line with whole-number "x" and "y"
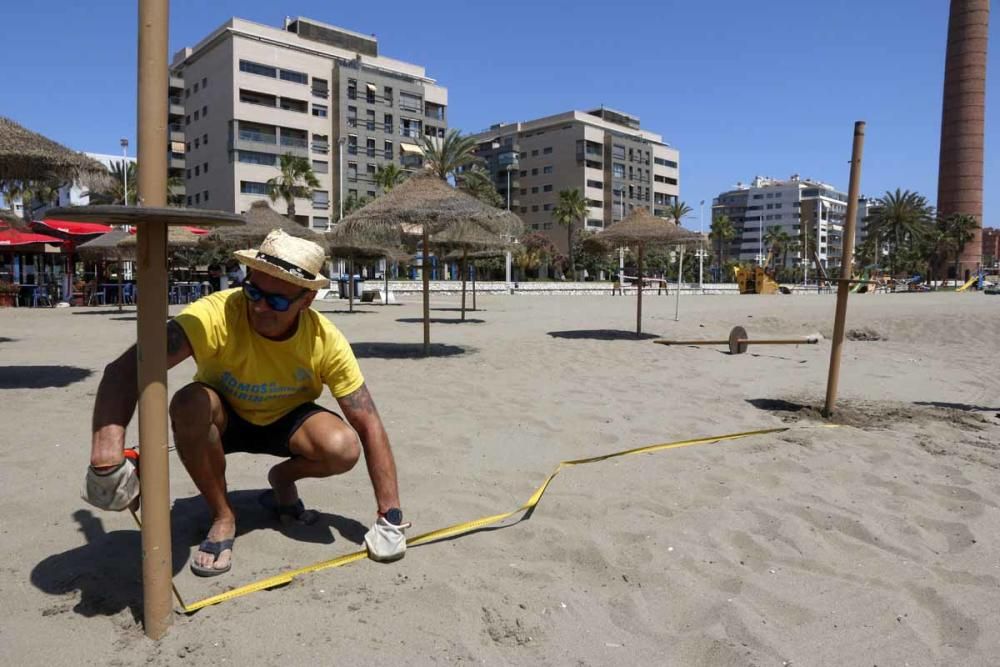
{"x": 387, "y": 128}
{"x": 352, "y": 122}
{"x": 321, "y": 147}
{"x": 176, "y": 163}
{"x": 322, "y": 93}
{"x": 352, "y": 149}
{"x": 370, "y": 152}
{"x": 412, "y": 132}
{"x": 177, "y": 135}
{"x": 370, "y": 125}
{"x": 176, "y": 82}
{"x": 256, "y": 141}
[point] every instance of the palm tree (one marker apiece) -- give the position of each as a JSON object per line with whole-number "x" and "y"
{"x": 296, "y": 180}
{"x": 777, "y": 240}
{"x": 722, "y": 232}
{"x": 446, "y": 157}
{"x": 901, "y": 219}
{"x": 678, "y": 210}
{"x": 388, "y": 176}
{"x": 114, "y": 192}
{"x": 353, "y": 203}
{"x": 571, "y": 207}
{"x": 476, "y": 181}
{"x": 958, "y": 229}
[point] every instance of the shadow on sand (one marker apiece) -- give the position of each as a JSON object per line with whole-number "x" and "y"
{"x": 440, "y": 320}
{"x": 113, "y": 311}
{"x": 602, "y": 334}
{"x": 964, "y": 407}
{"x": 41, "y": 377}
{"x": 107, "y": 570}
{"x": 406, "y": 350}
{"x": 777, "y": 405}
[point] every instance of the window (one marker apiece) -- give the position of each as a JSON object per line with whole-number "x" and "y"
{"x": 770, "y": 206}
{"x": 547, "y": 169}
{"x": 547, "y": 150}
{"x": 547, "y": 225}
{"x": 534, "y": 225}
{"x": 196, "y": 86}
{"x": 187, "y": 120}
{"x": 187, "y": 147}
{"x": 352, "y": 193}
{"x": 257, "y": 68}
{"x": 319, "y": 110}
{"x": 387, "y": 95}
{"x": 524, "y": 209}
{"x": 352, "y": 89}
{"x": 197, "y": 198}
{"x": 547, "y": 188}
{"x": 321, "y": 199}
{"x": 770, "y": 195}
{"x": 534, "y": 190}
{"x": 534, "y": 152}
{"x": 371, "y": 194}
{"x": 204, "y": 139}
{"x": 196, "y": 114}
{"x": 187, "y": 93}
{"x": 534, "y": 209}
{"x": 197, "y": 170}
{"x": 321, "y": 167}
{"x": 292, "y": 104}
{"x": 534, "y": 172}
{"x": 352, "y": 116}
{"x": 410, "y": 102}
{"x": 595, "y": 184}
{"x": 320, "y": 144}
{"x": 370, "y": 120}
{"x": 253, "y": 157}
{"x": 524, "y": 172}
{"x": 665, "y": 163}
{"x": 387, "y": 123}
{"x": 618, "y": 152}
{"x": 320, "y": 222}
{"x": 618, "y": 170}
{"x": 205, "y": 195}
{"x": 253, "y": 188}
{"x": 189, "y": 200}
{"x": 204, "y": 168}
{"x": 204, "y": 82}
{"x": 187, "y": 175}
{"x": 197, "y": 142}
{"x": 370, "y": 147}
{"x": 352, "y": 171}
{"x": 294, "y": 77}
{"x": 547, "y": 207}
{"x": 387, "y": 150}
{"x": 524, "y": 191}
{"x": 370, "y": 169}
{"x": 370, "y": 93}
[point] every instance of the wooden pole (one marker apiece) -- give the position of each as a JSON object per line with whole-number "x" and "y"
{"x": 350, "y": 284}
{"x": 638, "y": 303}
{"x": 385, "y": 277}
{"x": 152, "y": 317}
{"x": 465, "y": 270}
{"x": 425, "y": 267}
{"x": 846, "y": 268}
{"x": 472, "y": 270}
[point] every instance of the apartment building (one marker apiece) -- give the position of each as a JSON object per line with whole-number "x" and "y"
{"x": 805, "y": 209}
{"x": 254, "y": 92}
{"x": 176, "y": 138}
{"x": 605, "y": 154}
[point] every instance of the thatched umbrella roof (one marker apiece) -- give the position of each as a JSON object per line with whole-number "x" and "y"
{"x": 29, "y": 156}
{"x": 8, "y": 219}
{"x": 261, "y": 221}
{"x": 641, "y": 226}
{"x": 119, "y": 244}
{"x": 425, "y": 200}
{"x": 441, "y": 211}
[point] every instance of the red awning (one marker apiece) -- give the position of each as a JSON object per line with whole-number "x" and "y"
{"x": 74, "y": 228}
{"x": 10, "y": 237}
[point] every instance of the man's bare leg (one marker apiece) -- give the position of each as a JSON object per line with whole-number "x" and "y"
{"x": 323, "y": 446}
{"x": 198, "y": 421}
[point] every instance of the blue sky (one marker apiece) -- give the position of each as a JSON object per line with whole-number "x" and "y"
{"x": 770, "y": 88}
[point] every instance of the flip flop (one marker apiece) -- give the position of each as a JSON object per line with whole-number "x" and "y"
{"x": 295, "y": 512}
{"x": 214, "y": 548}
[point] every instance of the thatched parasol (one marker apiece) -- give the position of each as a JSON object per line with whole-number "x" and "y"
{"x": 119, "y": 246}
{"x": 500, "y": 250}
{"x": 28, "y": 156}
{"x": 464, "y": 237}
{"x": 342, "y": 243}
{"x": 427, "y": 201}
{"x": 8, "y": 219}
{"x": 261, "y": 221}
{"x": 642, "y": 228}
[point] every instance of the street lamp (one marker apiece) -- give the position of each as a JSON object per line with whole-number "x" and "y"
{"x": 341, "y": 142}
{"x": 701, "y": 250}
{"x": 124, "y": 144}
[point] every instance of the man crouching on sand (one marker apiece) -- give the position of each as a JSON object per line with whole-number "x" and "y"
{"x": 263, "y": 356}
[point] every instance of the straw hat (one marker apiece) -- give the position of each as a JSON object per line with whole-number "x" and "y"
{"x": 296, "y": 261}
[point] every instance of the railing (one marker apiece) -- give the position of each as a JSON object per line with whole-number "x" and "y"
{"x": 258, "y": 137}
{"x": 370, "y": 125}
{"x": 320, "y": 92}
{"x": 176, "y": 100}
{"x": 321, "y": 204}
{"x": 319, "y": 147}
{"x": 370, "y": 151}
{"x": 387, "y": 128}
{"x": 387, "y": 154}
{"x": 352, "y": 122}
{"x": 352, "y": 150}
{"x": 435, "y": 114}
{"x": 292, "y": 142}
{"x": 352, "y": 94}
{"x": 260, "y": 103}
{"x": 410, "y": 107}
{"x": 413, "y": 132}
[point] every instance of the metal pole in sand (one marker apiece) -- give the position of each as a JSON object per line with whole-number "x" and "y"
{"x": 846, "y": 268}
{"x": 680, "y": 274}
{"x": 152, "y": 318}
{"x": 425, "y": 275}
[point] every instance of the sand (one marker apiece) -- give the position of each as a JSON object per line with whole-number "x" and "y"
{"x": 872, "y": 543}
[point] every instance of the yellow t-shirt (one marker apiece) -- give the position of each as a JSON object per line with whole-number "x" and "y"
{"x": 263, "y": 379}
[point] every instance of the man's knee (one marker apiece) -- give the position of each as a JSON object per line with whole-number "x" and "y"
{"x": 339, "y": 449}
{"x": 193, "y": 409}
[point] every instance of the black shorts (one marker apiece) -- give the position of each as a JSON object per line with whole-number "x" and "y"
{"x": 273, "y": 438}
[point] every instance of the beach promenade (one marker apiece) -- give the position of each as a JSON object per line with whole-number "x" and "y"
{"x": 872, "y": 543}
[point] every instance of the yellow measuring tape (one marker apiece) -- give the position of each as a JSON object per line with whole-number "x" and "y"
{"x": 457, "y": 529}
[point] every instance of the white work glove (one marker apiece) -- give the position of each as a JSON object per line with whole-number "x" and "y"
{"x": 113, "y": 489}
{"x": 386, "y": 541}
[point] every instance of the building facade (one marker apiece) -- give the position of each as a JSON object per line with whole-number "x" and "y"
{"x": 810, "y": 212}
{"x": 605, "y": 154}
{"x": 253, "y": 93}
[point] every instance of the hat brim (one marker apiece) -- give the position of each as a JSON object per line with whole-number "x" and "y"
{"x": 249, "y": 257}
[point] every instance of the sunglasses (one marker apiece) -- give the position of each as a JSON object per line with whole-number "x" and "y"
{"x": 276, "y": 302}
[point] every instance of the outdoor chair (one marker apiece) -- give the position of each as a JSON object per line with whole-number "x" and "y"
{"x": 40, "y": 295}
{"x": 95, "y": 297}
{"x": 128, "y": 293}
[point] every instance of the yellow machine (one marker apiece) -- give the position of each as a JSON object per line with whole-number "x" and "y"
{"x": 755, "y": 279}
